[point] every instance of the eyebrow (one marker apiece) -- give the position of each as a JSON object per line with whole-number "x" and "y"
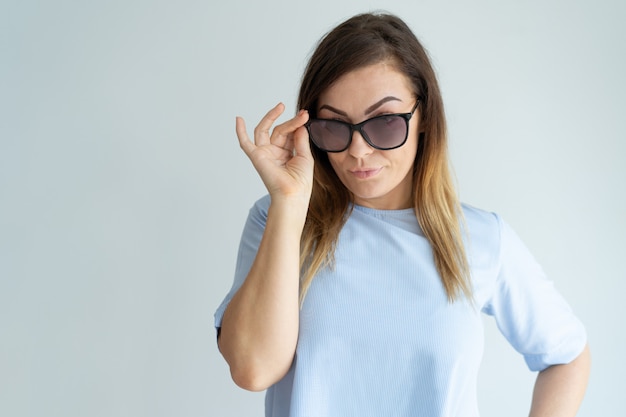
{"x": 369, "y": 110}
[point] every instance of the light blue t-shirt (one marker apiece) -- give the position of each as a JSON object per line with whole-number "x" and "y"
{"x": 378, "y": 336}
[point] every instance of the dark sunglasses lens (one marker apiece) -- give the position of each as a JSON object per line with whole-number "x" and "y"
{"x": 386, "y": 132}
{"x": 329, "y": 135}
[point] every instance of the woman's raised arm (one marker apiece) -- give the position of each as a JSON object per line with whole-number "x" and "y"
{"x": 260, "y": 325}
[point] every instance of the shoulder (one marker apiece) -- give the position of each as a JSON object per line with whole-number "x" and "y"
{"x": 491, "y": 243}
{"x": 483, "y": 237}
{"x": 481, "y": 224}
{"x": 489, "y": 230}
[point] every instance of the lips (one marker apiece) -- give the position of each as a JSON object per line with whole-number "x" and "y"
{"x": 364, "y": 173}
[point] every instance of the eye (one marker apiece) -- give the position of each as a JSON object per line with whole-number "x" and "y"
{"x": 332, "y": 117}
{"x": 385, "y": 118}
{"x": 382, "y": 114}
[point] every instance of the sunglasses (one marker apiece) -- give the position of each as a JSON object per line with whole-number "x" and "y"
{"x": 384, "y": 132}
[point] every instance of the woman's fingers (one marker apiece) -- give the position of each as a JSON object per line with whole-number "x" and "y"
{"x": 283, "y": 157}
{"x": 301, "y": 143}
{"x": 242, "y": 135}
{"x": 262, "y": 131}
{"x": 281, "y": 136}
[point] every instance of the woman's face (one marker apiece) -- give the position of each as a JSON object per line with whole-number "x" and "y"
{"x": 377, "y": 179}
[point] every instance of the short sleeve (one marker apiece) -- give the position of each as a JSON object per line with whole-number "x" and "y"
{"x": 248, "y": 247}
{"x": 529, "y": 311}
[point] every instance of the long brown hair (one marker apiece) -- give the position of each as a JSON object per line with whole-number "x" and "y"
{"x": 360, "y": 41}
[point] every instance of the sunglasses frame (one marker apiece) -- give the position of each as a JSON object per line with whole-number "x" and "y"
{"x": 358, "y": 127}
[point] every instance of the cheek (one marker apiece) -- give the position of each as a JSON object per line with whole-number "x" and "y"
{"x": 336, "y": 161}
{"x": 408, "y": 152}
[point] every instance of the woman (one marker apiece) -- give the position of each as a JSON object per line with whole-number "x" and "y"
{"x": 360, "y": 277}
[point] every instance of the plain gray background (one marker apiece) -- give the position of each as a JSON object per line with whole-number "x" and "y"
{"x": 123, "y": 191}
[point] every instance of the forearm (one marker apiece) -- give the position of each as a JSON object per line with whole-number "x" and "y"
{"x": 559, "y": 390}
{"x": 260, "y": 326}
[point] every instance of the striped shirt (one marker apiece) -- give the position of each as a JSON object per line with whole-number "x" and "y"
{"x": 378, "y": 336}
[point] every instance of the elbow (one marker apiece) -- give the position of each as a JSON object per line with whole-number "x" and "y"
{"x": 252, "y": 370}
{"x": 253, "y": 379}
{"x": 249, "y": 373}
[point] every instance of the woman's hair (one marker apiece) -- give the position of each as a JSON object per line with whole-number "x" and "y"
{"x": 360, "y": 41}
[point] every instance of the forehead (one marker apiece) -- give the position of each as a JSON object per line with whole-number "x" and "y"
{"x": 364, "y": 86}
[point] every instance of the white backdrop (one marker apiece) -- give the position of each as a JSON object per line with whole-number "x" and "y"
{"x": 123, "y": 191}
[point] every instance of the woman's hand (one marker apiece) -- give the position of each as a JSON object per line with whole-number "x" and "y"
{"x": 283, "y": 157}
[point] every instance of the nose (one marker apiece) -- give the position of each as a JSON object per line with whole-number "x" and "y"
{"x": 359, "y": 147}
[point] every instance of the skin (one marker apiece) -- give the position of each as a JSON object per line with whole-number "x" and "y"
{"x": 260, "y": 326}
{"x": 377, "y": 179}
{"x": 559, "y": 390}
